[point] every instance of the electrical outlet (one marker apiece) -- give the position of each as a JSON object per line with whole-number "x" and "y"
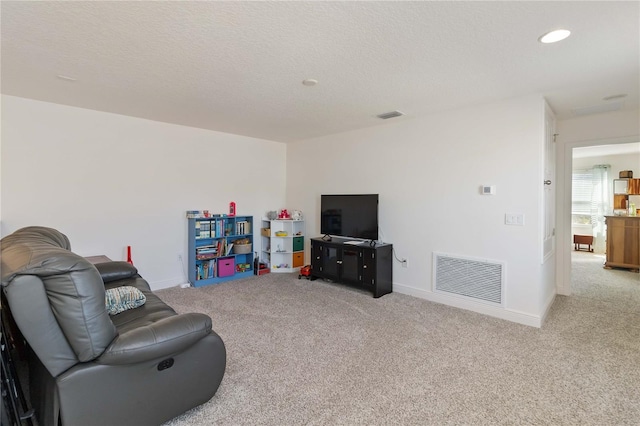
{"x": 179, "y": 257}
{"x": 405, "y": 263}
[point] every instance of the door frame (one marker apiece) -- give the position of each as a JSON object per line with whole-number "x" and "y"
{"x": 563, "y": 204}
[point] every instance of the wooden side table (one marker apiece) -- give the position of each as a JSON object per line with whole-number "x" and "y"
{"x": 579, "y": 240}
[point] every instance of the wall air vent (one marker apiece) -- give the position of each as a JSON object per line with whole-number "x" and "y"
{"x": 391, "y": 114}
{"x": 597, "y": 109}
{"x": 474, "y": 278}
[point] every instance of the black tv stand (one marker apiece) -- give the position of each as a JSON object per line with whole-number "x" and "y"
{"x": 367, "y": 265}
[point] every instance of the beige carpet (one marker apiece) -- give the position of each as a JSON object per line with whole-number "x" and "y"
{"x": 316, "y": 353}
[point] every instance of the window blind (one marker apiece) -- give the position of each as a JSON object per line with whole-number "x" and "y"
{"x": 582, "y": 188}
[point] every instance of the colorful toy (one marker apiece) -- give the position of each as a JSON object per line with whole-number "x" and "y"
{"x": 305, "y": 271}
{"x": 284, "y": 214}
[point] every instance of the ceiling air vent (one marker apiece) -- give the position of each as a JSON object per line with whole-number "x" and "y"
{"x": 597, "y": 109}
{"x": 391, "y": 114}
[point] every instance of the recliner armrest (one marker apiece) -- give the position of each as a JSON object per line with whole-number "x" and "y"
{"x": 115, "y": 270}
{"x": 162, "y": 338}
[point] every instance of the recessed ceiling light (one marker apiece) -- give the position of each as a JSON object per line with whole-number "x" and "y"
{"x": 310, "y": 82}
{"x": 553, "y": 36}
{"x": 66, "y": 77}
{"x": 612, "y": 97}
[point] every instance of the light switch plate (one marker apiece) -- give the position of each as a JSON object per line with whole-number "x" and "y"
{"x": 516, "y": 219}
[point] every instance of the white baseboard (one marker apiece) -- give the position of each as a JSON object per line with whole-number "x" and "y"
{"x": 173, "y": 282}
{"x": 506, "y": 314}
{"x": 547, "y": 308}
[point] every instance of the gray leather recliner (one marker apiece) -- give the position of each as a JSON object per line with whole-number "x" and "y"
{"x": 143, "y": 366}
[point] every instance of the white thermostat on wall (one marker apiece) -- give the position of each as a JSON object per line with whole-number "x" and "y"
{"x": 488, "y": 189}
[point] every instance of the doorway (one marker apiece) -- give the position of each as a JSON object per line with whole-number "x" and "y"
{"x": 620, "y": 155}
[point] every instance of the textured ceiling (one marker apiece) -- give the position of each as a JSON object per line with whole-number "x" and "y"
{"x": 238, "y": 66}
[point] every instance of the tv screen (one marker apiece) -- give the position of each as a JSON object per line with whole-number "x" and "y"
{"x": 349, "y": 215}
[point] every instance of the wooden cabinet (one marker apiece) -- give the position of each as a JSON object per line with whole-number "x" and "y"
{"x": 363, "y": 265}
{"x": 623, "y": 242}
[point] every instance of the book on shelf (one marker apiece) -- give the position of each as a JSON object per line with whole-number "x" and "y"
{"x": 201, "y": 214}
{"x": 221, "y": 247}
{"x": 206, "y": 270}
{"x": 206, "y": 252}
{"x": 243, "y": 227}
{"x": 229, "y": 247}
{"x": 206, "y": 256}
{"x": 202, "y": 229}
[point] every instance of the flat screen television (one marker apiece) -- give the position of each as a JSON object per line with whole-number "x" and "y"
{"x": 349, "y": 215}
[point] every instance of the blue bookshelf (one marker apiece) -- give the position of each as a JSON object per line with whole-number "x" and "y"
{"x": 220, "y": 249}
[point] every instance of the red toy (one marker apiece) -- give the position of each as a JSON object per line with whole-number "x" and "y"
{"x": 284, "y": 214}
{"x": 305, "y": 271}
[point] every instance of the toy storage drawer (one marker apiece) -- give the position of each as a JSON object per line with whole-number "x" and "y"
{"x": 298, "y": 243}
{"x": 226, "y": 266}
{"x": 298, "y": 259}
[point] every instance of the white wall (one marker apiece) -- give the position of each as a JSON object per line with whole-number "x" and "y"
{"x": 428, "y": 172}
{"x": 618, "y": 162}
{"x": 591, "y": 130}
{"x": 108, "y": 181}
